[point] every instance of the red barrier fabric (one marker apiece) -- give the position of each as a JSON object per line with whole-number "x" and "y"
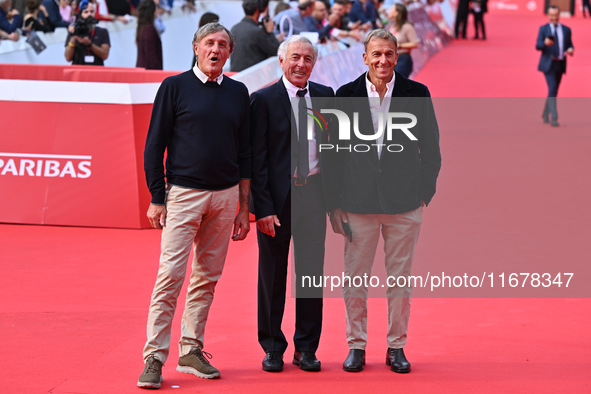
{"x": 72, "y": 153}
{"x": 72, "y": 164}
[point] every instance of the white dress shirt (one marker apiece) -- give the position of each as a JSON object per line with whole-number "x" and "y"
{"x": 379, "y": 108}
{"x": 204, "y": 78}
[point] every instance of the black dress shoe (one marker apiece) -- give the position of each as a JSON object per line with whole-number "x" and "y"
{"x": 554, "y": 124}
{"x": 397, "y": 361}
{"x": 307, "y": 361}
{"x": 355, "y": 361}
{"x": 273, "y": 362}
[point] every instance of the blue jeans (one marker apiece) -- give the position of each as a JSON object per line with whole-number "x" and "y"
{"x": 404, "y": 65}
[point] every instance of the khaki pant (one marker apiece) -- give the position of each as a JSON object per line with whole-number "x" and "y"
{"x": 201, "y": 219}
{"x": 400, "y": 233}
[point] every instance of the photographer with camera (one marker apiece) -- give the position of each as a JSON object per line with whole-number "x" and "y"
{"x": 255, "y": 40}
{"x": 87, "y": 43}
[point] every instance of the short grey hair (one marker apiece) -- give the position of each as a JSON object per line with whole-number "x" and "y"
{"x": 382, "y": 34}
{"x": 211, "y": 28}
{"x": 282, "y": 51}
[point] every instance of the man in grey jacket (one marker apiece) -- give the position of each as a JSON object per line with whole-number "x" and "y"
{"x": 254, "y": 43}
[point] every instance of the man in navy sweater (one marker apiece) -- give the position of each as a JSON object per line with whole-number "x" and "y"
{"x": 201, "y": 119}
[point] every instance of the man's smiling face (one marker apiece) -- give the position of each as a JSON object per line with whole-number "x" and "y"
{"x": 381, "y": 57}
{"x": 298, "y": 63}
{"x": 212, "y": 53}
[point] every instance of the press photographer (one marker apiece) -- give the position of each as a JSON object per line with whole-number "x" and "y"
{"x": 87, "y": 43}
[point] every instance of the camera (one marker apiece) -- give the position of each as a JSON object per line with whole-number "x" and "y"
{"x": 83, "y": 26}
{"x": 264, "y": 20}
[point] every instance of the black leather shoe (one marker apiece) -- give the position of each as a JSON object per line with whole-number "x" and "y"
{"x": 546, "y": 119}
{"x": 273, "y": 362}
{"x": 397, "y": 361}
{"x": 307, "y": 361}
{"x": 554, "y": 124}
{"x": 355, "y": 361}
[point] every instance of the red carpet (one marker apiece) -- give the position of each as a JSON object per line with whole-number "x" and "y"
{"x": 511, "y": 196}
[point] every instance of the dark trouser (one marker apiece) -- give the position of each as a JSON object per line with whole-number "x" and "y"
{"x": 304, "y": 217}
{"x": 461, "y": 22}
{"x": 553, "y": 78}
{"x": 479, "y": 21}
{"x": 404, "y": 64}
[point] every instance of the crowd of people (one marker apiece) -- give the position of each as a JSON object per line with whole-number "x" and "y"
{"x": 258, "y": 34}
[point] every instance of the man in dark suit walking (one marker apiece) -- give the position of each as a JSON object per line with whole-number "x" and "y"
{"x": 555, "y": 42}
{"x": 288, "y": 201}
{"x": 383, "y": 189}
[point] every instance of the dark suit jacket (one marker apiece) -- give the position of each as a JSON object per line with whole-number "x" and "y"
{"x": 253, "y": 45}
{"x": 545, "y": 63}
{"x": 271, "y": 139}
{"x": 397, "y": 182}
{"x": 369, "y": 15}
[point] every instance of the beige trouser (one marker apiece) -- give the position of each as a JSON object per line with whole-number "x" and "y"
{"x": 204, "y": 220}
{"x": 400, "y": 234}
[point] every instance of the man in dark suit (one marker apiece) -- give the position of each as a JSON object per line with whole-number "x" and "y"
{"x": 462, "y": 18}
{"x": 383, "y": 189}
{"x": 555, "y": 42}
{"x": 288, "y": 200}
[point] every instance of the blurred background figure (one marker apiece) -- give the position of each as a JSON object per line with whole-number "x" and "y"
{"x": 53, "y": 10}
{"x": 366, "y": 12}
{"x": 149, "y": 45}
{"x": 281, "y": 6}
{"x": 405, "y": 33}
{"x": 208, "y": 17}
{"x": 66, "y": 10}
{"x": 478, "y": 8}
{"x": 342, "y": 27}
{"x": 255, "y": 40}
{"x": 118, "y": 8}
{"x": 86, "y": 42}
{"x": 161, "y": 8}
{"x": 462, "y": 18}
{"x": 586, "y": 7}
{"x": 297, "y": 17}
{"x": 10, "y": 19}
{"x": 318, "y": 22}
{"x": 111, "y": 11}
{"x": 37, "y": 18}
{"x": 12, "y": 36}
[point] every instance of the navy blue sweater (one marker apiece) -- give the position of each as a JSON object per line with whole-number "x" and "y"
{"x": 205, "y": 130}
